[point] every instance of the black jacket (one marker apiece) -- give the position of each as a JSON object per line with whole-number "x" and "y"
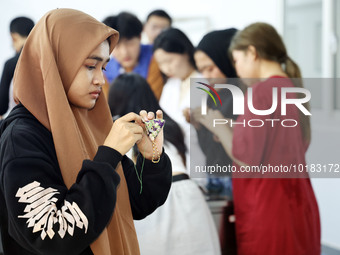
{"x": 31, "y": 182}
{"x": 6, "y": 78}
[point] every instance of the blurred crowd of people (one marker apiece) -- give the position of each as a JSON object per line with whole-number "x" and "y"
{"x": 152, "y": 67}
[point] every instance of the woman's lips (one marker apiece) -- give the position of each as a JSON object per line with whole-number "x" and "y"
{"x": 95, "y": 94}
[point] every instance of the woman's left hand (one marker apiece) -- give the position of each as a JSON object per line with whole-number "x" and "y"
{"x": 145, "y": 144}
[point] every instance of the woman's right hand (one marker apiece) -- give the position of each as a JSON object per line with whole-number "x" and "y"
{"x": 195, "y": 118}
{"x": 125, "y": 132}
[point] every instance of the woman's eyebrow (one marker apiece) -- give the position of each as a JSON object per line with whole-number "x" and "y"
{"x": 98, "y": 58}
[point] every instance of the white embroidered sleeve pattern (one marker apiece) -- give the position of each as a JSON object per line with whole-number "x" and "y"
{"x": 42, "y": 213}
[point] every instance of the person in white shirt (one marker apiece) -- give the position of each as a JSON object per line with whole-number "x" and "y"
{"x": 174, "y": 54}
{"x": 184, "y": 224}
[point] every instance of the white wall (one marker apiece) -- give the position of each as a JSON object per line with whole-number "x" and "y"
{"x": 309, "y": 36}
{"x": 324, "y": 149}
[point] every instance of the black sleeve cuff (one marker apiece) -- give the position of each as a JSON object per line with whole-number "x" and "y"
{"x": 109, "y": 155}
{"x": 152, "y": 167}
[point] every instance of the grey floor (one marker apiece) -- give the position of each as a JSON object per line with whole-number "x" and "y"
{"x": 325, "y": 250}
{"x": 329, "y": 251}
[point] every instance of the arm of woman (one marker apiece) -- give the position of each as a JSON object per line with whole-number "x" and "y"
{"x": 146, "y": 196}
{"x": 218, "y": 125}
{"x": 44, "y": 217}
{"x": 148, "y": 182}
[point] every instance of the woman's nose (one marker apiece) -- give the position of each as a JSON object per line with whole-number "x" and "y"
{"x": 99, "y": 78}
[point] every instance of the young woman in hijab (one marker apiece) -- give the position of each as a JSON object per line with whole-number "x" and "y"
{"x": 65, "y": 186}
{"x": 183, "y": 225}
{"x": 276, "y": 213}
{"x": 174, "y": 54}
{"x": 213, "y": 62}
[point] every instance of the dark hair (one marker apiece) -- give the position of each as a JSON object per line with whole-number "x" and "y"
{"x": 216, "y": 44}
{"x": 21, "y": 25}
{"x": 127, "y": 24}
{"x": 173, "y": 40}
{"x": 130, "y": 92}
{"x": 160, "y": 13}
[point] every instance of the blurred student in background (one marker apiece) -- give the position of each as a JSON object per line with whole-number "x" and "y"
{"x": 212, "y": 60}
{"x": 184, "y": 224}
{"x": 156, "y": 22}
{"x": 19, "y": 28}
{"x": 277, "y": 215}
{"x": 130, "y": 55}
{"x": 174, "y": 54}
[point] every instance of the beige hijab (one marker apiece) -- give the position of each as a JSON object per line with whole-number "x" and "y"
{"x": 49, "y": 61}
